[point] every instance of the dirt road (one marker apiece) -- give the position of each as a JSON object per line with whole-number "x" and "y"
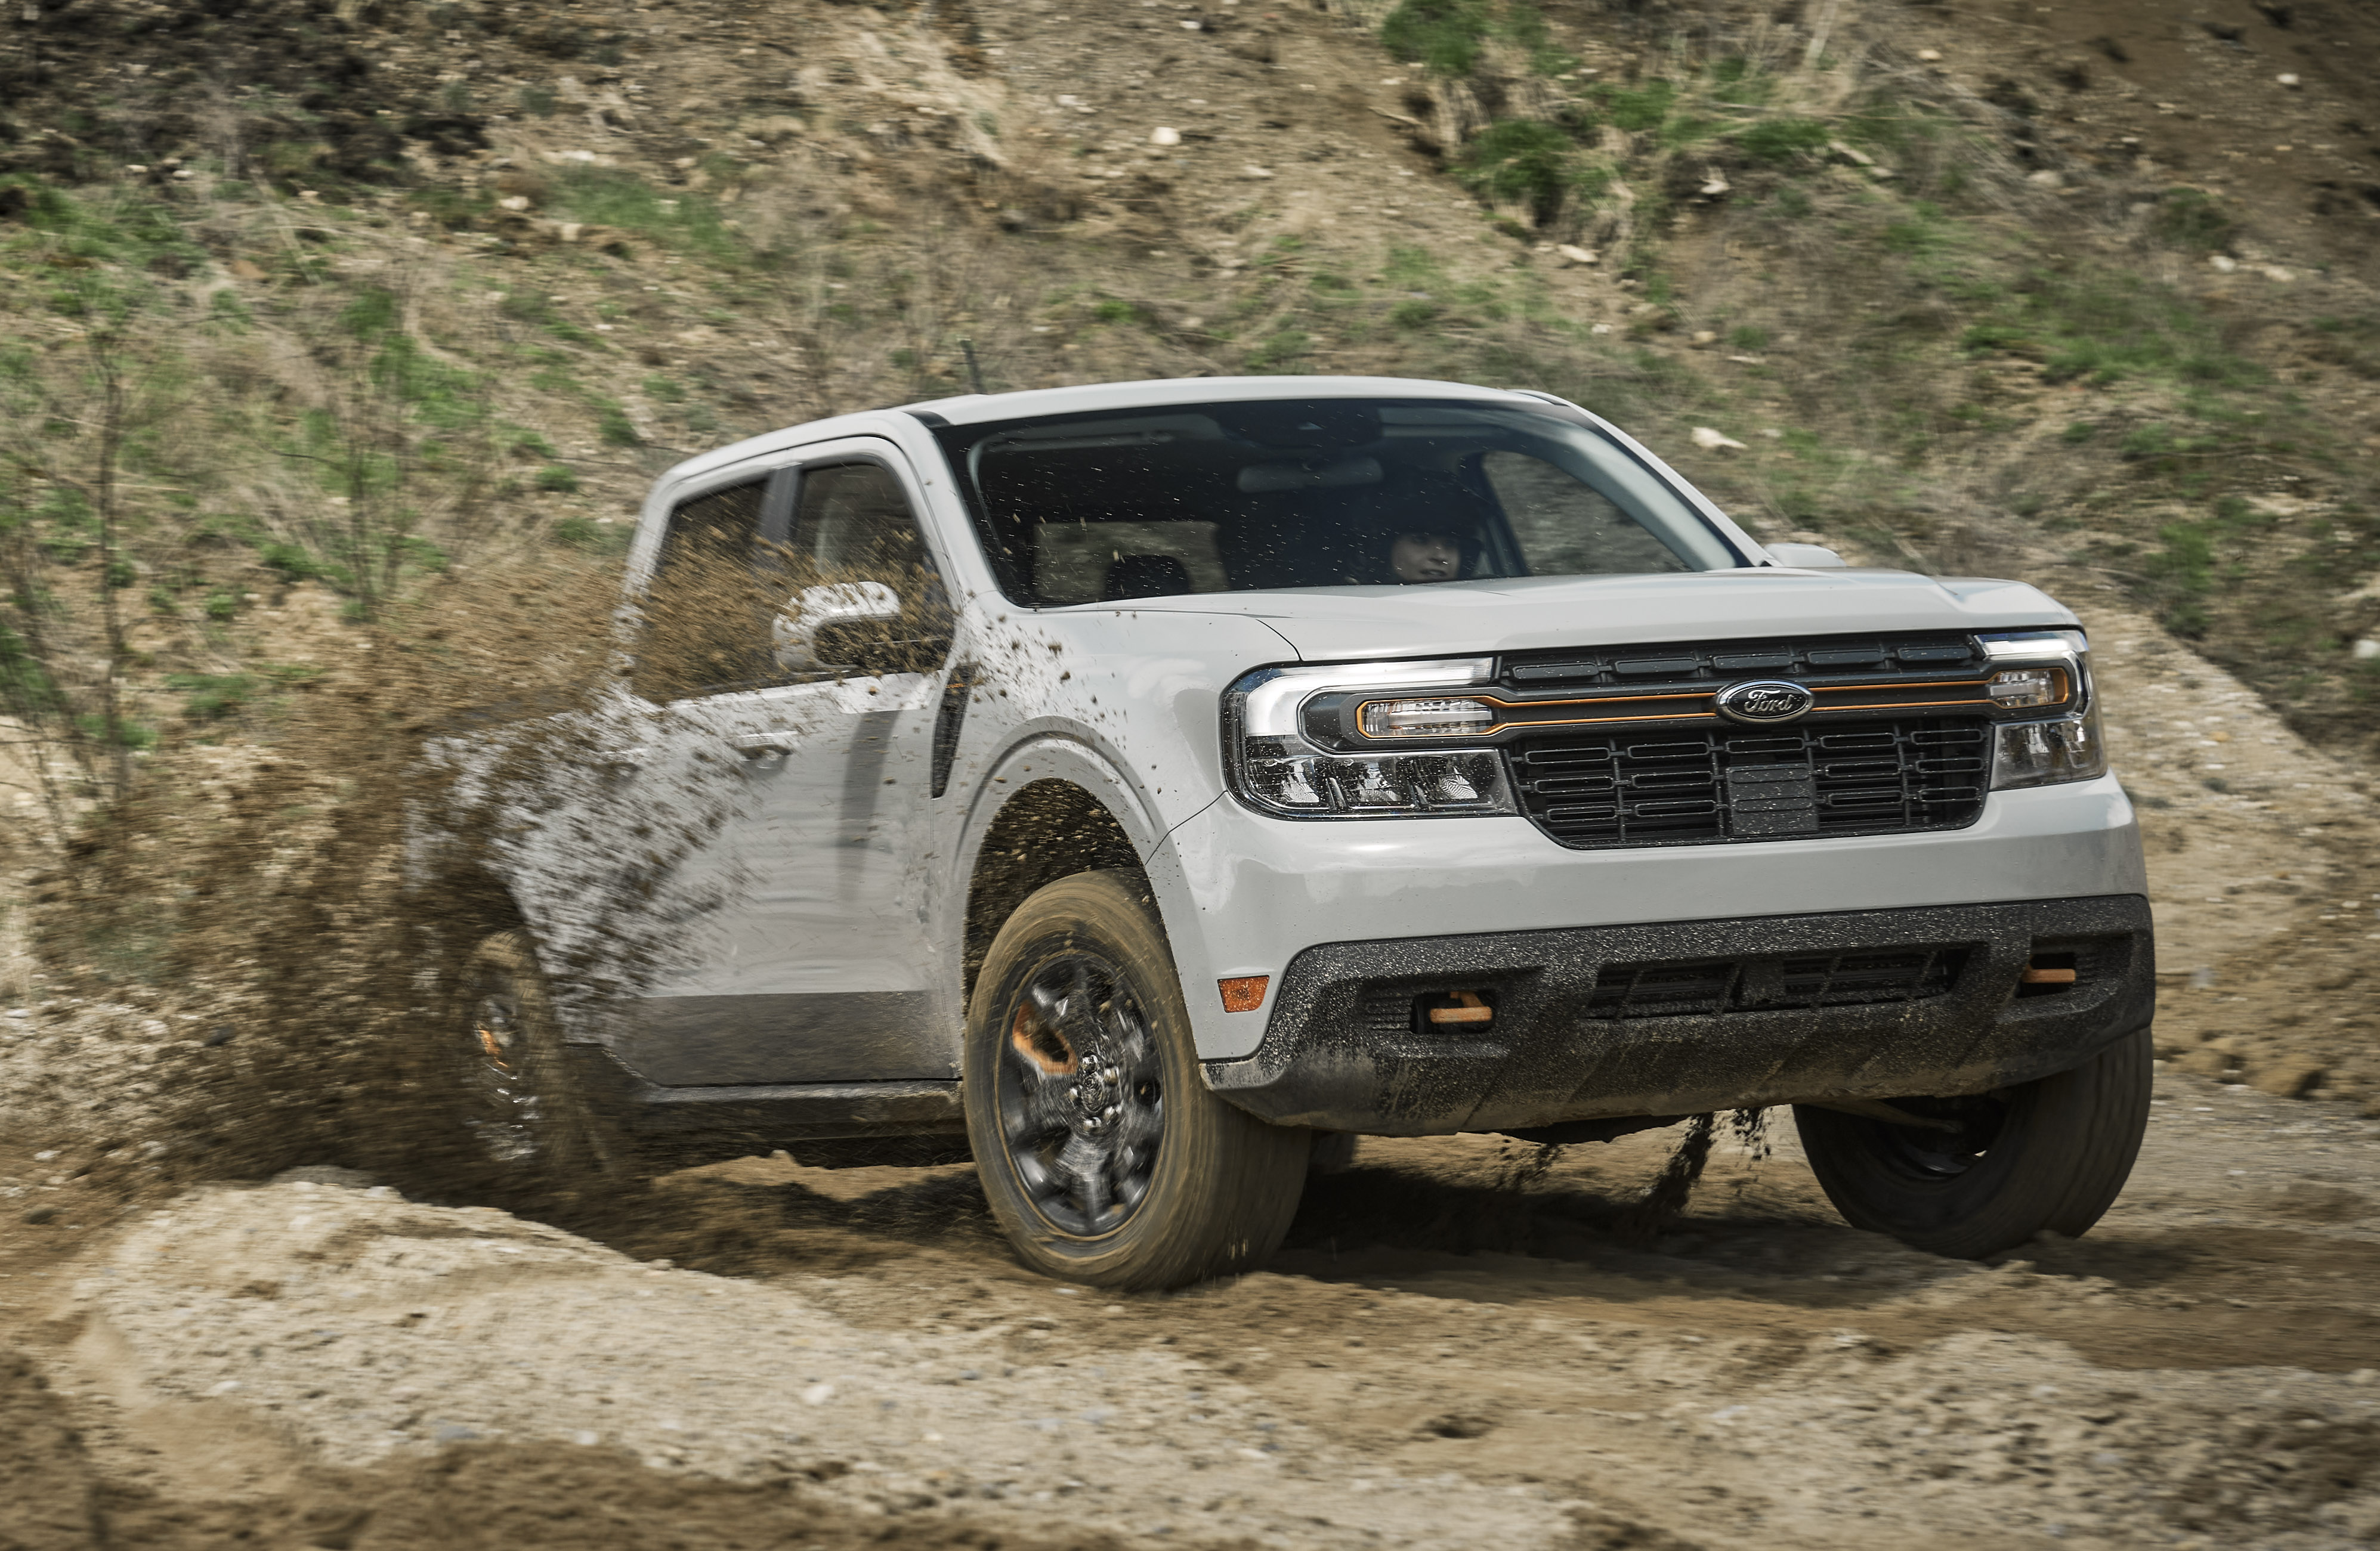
{"x": 1453, "y": 1350}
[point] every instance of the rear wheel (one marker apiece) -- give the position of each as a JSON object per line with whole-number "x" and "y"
{"x": 1993, "y": 1169}
{"x": 1102, "y": 1151}
{"x": 522, "y": 1126}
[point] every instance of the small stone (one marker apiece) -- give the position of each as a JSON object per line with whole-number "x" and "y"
{"x": 1702, "y": 339}
{"x": 2047, "y": 177}
{"x": 2277, "y": 273}
{"x": 2288, "y": 81}
{"x": 1253, "y": 171}
{"x": 2222, "y": 263}
{"x": 1573, "y": 254}
{"x": 452, "y": 1432}
{"x": 1929, "y": 55}
{"x": 2205, "y": 1062}
{"x": 2288, "y": 1077}
{"x": 817, "y": 1394}
{"x": 2366, "y": 649}
{"x": 1714, "y": 441}
{"x": 39, "y": 1215}
{"x": 1164, "y": 135}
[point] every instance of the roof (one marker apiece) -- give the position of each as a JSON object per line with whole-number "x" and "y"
{"x": 1157, "y": 392}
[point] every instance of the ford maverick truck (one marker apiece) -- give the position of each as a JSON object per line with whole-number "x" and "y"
{"x": 1144, "y": 788}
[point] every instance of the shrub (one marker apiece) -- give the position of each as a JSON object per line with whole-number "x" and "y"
{"x": 1783, "y": 139}
{"x": 1521, "y": 161}
{"x": 1445, "y": 35}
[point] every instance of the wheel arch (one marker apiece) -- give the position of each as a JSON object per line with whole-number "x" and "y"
{"x": 1047, "y": 829}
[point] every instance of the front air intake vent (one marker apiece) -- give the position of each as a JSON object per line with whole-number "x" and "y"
{"x": 1704, "y": 987}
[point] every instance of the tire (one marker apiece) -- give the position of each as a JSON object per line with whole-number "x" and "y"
{"x": 519, "y": 1125}
{"x": 1101, "y": 1150}
{"x": 2048, "y": 1155}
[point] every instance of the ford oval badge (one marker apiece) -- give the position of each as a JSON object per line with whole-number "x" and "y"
{"x": 1764, "y": 702}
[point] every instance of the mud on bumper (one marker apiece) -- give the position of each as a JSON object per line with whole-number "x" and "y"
{"x": 1682, "y": 1017}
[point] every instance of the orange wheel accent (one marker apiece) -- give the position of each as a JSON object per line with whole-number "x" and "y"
{"x": 1045, "y": 1048}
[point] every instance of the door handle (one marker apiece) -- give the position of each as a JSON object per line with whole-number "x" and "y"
{"x": 751, "y": 745}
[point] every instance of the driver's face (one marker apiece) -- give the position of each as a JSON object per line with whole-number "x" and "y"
{"x": 1424, "y": 557}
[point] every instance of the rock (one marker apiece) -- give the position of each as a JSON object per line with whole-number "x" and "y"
{"x": 39, "y": 1215}
{"x": 2288, "y": 1077}
{"x": 2288, "y": 81}
{"x": 2222, "y": 263}
{"x": 2205, "y": 1062}
{"x": 1929, "y": 55}
{"x": 2366, "y": 649}
{"x": 2047, "y": 177}
{"x": 1702, "y": 339}
{"x": 1714, "y": 182}
{"x": 326, "y": 1174}
{"x": 1570, "y": 253}
{"x": 1164, "y": 135}
{"x": 774, "y": 128}
{"x": 1713, "y": 440}
{"x": 1253, "y": 171}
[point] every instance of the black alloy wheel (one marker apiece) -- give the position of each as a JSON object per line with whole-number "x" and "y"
{"x": 1082, "y": 1096}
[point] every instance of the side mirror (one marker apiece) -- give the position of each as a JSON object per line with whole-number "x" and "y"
{"x": 1808, "y": 557}
{"x": 813, "y": 617}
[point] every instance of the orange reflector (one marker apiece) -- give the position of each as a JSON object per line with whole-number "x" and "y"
{"x": 1244, "y": 993}
{"x": 2032, "y": 976}
{"x": 1470, "y": 1010}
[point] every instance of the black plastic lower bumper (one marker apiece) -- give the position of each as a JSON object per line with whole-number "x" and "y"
{"x": 1683, "y": 1017}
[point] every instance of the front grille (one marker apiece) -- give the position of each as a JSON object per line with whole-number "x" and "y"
{"x": 1701, "y": 987}
{"x": 1925, "y": 655}
{"x": 1693, "y": 786}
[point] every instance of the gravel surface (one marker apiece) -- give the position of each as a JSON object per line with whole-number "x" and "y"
{"x": 1440, "y": 1356}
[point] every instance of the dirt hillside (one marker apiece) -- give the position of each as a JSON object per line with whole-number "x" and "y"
{"x": 339, "y": 339}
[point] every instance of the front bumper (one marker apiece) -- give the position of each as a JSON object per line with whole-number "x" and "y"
{"x": 1682, "y": 1017}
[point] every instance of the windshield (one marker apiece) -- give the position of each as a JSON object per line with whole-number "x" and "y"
{"x": 1313, "y": 492}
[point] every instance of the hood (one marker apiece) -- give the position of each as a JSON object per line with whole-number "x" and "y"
{"x": 1454, "y": 619}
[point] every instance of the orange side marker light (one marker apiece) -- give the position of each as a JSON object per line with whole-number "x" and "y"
{"x": 1244, "y": 993}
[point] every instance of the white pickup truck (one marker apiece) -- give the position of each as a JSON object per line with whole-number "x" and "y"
{"x": 1142, "y": 787}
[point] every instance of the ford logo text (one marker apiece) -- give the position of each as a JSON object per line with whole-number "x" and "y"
{"x": 1763, "y": 701}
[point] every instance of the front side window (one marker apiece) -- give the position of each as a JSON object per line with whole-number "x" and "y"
{"x": 1105, "y": 507}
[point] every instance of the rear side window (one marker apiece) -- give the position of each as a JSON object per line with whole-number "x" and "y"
{"x": 706, "y": 614}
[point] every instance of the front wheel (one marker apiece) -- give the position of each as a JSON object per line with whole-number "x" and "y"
{"x": 1993, "y": 1169}
{"x": 1101, "y": 1149}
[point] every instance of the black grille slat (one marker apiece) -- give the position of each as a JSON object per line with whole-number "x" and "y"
{"x": 1916, "y": 656}
{"x": 1704, "y": 987}
{"x": 1716, "y": 784}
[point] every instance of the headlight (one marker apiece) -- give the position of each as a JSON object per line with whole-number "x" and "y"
{"x": 2050, "y": 752}
{"x": 1280, "y": 762}
{"x": 2018, "y": 687}
{"x": 2045, "y": 753}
